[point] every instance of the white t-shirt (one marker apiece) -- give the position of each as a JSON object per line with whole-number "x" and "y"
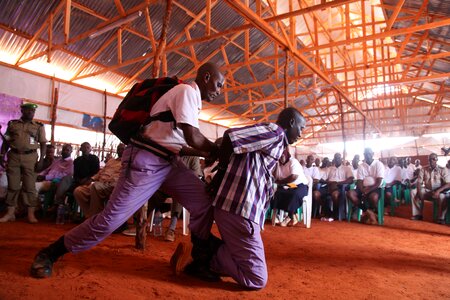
{"x": 393, "y": 174}
{"x": 312, "y": 171}
{"x": 291, "y": 167}
{"x": 339, "y": 174}
{"x": 185, "y": 103}
{"x": 324, "y": 173}
{"x": 375, "y": 170}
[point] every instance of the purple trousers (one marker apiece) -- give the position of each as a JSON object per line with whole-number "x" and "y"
{"x": 242, "y": 254}
{"x": 142, "y": 174}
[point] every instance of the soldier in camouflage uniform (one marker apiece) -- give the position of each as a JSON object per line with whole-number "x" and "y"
{"x": 22, "y": 138}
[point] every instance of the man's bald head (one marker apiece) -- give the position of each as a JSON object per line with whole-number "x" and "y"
{"x": 210, "y": 81}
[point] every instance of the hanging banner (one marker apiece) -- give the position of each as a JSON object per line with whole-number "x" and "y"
{"x": 10, "y": 110}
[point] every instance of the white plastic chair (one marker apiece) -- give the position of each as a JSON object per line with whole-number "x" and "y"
{"x": 307, "y": 204}
{"x": 185, "y": 219}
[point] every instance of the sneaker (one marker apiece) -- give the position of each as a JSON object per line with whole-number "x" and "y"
{"x": 181, "y": 257}
{"x": 417, "y": 218}
{"x": 325, "y": 219}
{"x": 170, "y": 235}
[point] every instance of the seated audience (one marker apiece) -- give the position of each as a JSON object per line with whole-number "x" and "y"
{"x": 312, "y": 171}
{"x": 91, "y": 198}
{"x": 355, "y": 165}
{"x": 339, "y": 177}
{"x": 292, "y": 187}
{"x": 432, "y": 182}
{"x": 193, "y": 163}
{"x": 84, "y": 167}
{"x": 60, "y": 168}
{"x": 369, "y": 179}
{"x": 48, "y": 159}
{"x": 322, "y": 188}
{"x": 417, "y": 164}
{"x": 392, "y": 176}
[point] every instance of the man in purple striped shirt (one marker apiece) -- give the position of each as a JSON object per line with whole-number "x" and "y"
{"x": 242, "y": 187}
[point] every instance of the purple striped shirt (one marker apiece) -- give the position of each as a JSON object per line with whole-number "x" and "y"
{"x": 248, "y": 183}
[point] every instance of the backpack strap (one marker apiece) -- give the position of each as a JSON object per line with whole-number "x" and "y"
{"x": 151, "y": 146}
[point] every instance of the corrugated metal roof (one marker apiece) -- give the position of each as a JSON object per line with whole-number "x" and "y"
{"x": 20, "y": 20}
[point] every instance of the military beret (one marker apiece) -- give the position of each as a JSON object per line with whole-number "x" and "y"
{"x": 29, "y": 105}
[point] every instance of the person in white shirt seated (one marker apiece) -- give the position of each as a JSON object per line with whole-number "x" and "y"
{"x": 339, "y": 178}
{"x": 355, "y": 164}
{"x": 417, "y": 164}
{"x": 323, "y": 200}
{"x": 392, "y": 176}
{"x": 292, "y": 187}
{"x": 312, "y": 171}
{"x": 369, "y": 179}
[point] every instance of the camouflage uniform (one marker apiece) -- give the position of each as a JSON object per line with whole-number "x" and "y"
{"x": 24, "y": 139}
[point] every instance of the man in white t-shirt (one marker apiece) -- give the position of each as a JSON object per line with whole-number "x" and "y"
{"x": 144, "y": 172}
{"x": 312, "y": 171}
{"x": 355, "y": 165}
{"x": 369, "y": 179}
{"x": 392, "y": 176}
{"x": 339, "y": 177}
{"x": 292, "y": 187}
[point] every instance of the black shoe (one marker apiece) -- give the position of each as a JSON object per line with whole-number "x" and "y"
{"x": 417, "y": 218}
{"x": 43, "y": 262}
{"x": 42, "y": 265}
{"x": 201, "y": 272}
{"x": 122, "y": 228}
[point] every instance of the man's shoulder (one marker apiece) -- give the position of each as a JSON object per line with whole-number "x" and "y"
{"x": 37, "y": 123}
{"x": 14, "y": 122}
{"x": 93, "y": 157}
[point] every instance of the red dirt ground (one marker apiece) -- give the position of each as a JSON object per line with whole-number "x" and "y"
{"x": 401, "y": 260}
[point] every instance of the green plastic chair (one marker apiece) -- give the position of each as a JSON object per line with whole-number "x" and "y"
{"x": 380, "y": 208}
{"x": 396, "y": 194}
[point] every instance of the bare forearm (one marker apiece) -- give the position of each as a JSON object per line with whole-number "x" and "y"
{"x": 188, "y": 151}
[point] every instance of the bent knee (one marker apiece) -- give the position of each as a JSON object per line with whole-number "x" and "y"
{"x": 256, "y": 281}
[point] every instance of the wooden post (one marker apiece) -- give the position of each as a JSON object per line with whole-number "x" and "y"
{"x": 54, "y": 107}
{"x": 162, "y": 40}
{"x": 141, "y": 228}
{"x": 344, "y": 137}
{"x": 104, "y": 124}
{"x": 286, "y": 70}
{"x": 364, "y": 132}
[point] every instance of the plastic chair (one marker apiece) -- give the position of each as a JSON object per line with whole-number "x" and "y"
{"x": 186, "y": 216}
{"x": 396, "y": 194}
{"x": 306, "y": 209}
{"x": 380, "y": 208}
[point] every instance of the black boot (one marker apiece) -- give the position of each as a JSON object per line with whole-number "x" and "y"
{"x": 43, "y": 262}
{"x": 202, "y": 252}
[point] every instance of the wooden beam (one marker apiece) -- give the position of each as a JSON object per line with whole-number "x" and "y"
{"x": 382, "y": 35}
{"x": 67, "y": 12}
{"x": 394, "y": 15}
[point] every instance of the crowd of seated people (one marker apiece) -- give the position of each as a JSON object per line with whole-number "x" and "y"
{"x": 364, "y": 183}
{"x": 334, "y": 183}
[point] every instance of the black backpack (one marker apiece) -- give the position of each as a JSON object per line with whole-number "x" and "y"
{"x": 134, "y": 111}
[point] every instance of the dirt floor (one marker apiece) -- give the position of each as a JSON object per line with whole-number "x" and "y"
{"x": 339, "y": 260}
